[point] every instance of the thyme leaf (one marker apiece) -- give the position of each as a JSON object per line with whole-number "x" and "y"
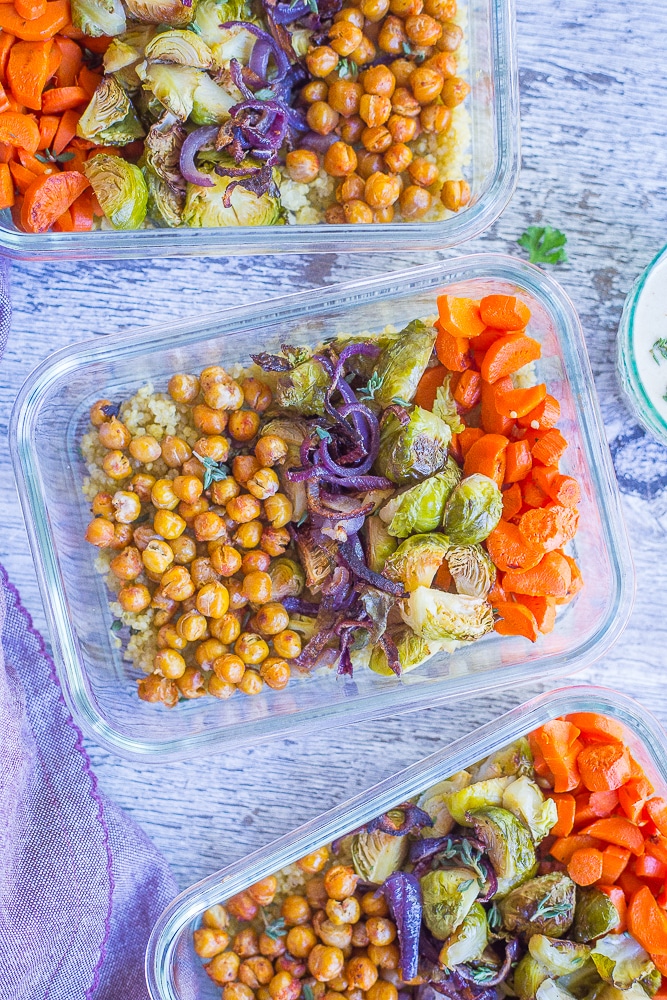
{"x": 273, "y": 928}
{"x": 660, "y": 347}
{"x": 323, "y": 434}
{"x": 549, "y": 910}
{"x": 214, "y": 471}
{"x": 493, "y": 917}
{"x": 371, "y": 387}
{"x": 482, "y": 974}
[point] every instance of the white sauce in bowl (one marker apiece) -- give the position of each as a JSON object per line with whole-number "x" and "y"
{"x": 649, "y": 328}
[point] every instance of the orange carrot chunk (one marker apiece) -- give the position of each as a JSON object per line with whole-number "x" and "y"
{"x": 647, "y": 923}
{"x": 544, "y": 475}
{"x": 550, "y": 578}
{"x": 515, "y": 619}
{"x": 551, "y": 527}
{"x": 27, "y": 71}
{"x": 576, "y": 581}
{"x": 507, "y": 354}
{"x": 545, "y": 415}
{"x": 518, "y": 402}
{"x": 467, "y": 438}
{"x": 428, "y": 386}
{"x": 487, "y": 457}
{"x": 48, "y": 197}
{"x": 70, "y": 62}
{"x": 614, "y": 862}
{"x": 518, "y": 461}
{"x": 565, "y": 804}
{"x": 509, "y": 550}
{"x": 604, "y": 766}
{"x": 559, "y": 745}
{"x": 19, "y": 130}
{"x": 657, "y": 811}
{"x": 492, "y": 421}
{"x": 633, "y": 796}
{"x": 564, "y": 490}
{"x": 460, "y": 316}
{"x": 544, "y": 609}
{"x": 468, "y": 389}
{"x": 512, "y": 501}
{"x": 453, "y": 352}
{"x": 23, "y": 177}
{"x": 533, "y": 496}
{"x": 617, "y": 830}
{"x": 60, "y": 99}
{"x": 40, "y": 29}
{"x": 6, "y": 42}
{"x": 48, "y": 126}
{"x": 66, "y": 131}
{"x": 6, "y": 187}
{"x": 30, "y": 9}
{"x": 648, "y": 867}
{"x": 549, "y": 449}
{"x": 504, "y": 312}
{"x": 563, "y": 848}
{"x": 603, "y": 803}
{"x": 585, "y": 866}
{"x": 485, "y": 338}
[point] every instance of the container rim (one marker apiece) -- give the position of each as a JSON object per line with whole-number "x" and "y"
{"x": 362, "y": 290}
{"x": 366, "y": 805}
{"x": 246, "y": 240}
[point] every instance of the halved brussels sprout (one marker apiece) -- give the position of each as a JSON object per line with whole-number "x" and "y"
{"x": 416, "y": 560}
{"x": 594, "y": 916}
{"x": 411, "y": 452}
{"x": 173, "y": 86}
{"x": 204, "y": 206}
{"x": 412, "y": 652}
{"x": 524, "y": 798}
{"x": 558, "y": 957}
{"x": 304, "y": 625}
{"x": 473, "y": 510}
{"x": 165, "y": 205}
{"x": 120, "y": 189}
{"x": 233, "y": 43}
{"x": 402, "y": 364}
{"x": 180, "y": 47}
{"x": 438, "y": 616}
{"x": 171, "y": 12}
{"x": 127, "y": 48}
{"x": 472, "y": 569}
{"x": 515, "y": 759}
{"x": 528, "y": 976}
{"x": 606, "y": 992}
{"x": 98, "y": 17}
{"x": 433, "y": 801}
{"x": 210, "y": 102}
{"x": 303, "y": 389}
{"x": 460, "y": 801}
{"x": 544, "y": 905}
{"x": 445, "y": 405}
{"x": 376, "y": 855}
{"x": 110, "y": 118}
{"x": 379, "y": 543}
{"x": 420, "y": 508}
{"x": 583, "y": 981}
{"x": 508, "y": 844}
{"x": 447, "y": 896}
{"x": 162, "y": 151}
{"x": 550, "y": 990}
{"x": 209, "y": 17}
{"x": 468, "y": 941}
{"x": 287, "y": 578}
{"x": 622, "y": 962}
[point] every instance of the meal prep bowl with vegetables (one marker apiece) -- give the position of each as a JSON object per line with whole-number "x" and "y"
{"x": 528, "y": 859}
{"x": 135, "y": 125}
{"x": 332, "y": 533}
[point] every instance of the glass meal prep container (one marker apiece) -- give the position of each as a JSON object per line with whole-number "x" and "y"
{"x": 493, "y": 164}
{"x": 175, "y": 972}
{"x": 51, "y": 413}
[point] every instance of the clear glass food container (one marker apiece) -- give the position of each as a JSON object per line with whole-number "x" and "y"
{"x": 51, "y": 413}
{"x": 493, "y": 105}
{"x": 173, "y": 970}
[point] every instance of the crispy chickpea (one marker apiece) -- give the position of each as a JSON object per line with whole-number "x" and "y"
{"x": 163, "y": 603}
{"x": 284, "y": 986}
{"x": 272, "y": 947}
{"x": 278, "y": 510}
{"x": 168, "y": 637}
{"x": 415, "y": 202}
{"x": 316, "y": 893}
{"x": 274, "y": 541}
{"x": 401, "y": 128}
{"x": 134, "y": 597}
{"x": 443, "y": 62}
{"x": 248, "y": 535}
{"x": 244, "y": 508}
{"x": 398, "y": 157}
{"x": 454, "y": 91}
{"x": 335, "y": 935}
{"x": 303, "y": 166}
{"x": 163, "y": 496}
{"x": 346, "y": 911}
{"x": 175, "y": 451}
{"x": 314, "y": 90}
{"x": 321, "y": 117}
{"x": 321, "y": 61}
{"x": 208, "y": 652}
{"x": 300, "y": 941}
{"x": 243, "y": 425}
{"x": 441, "y": 10}
{"x": 207, "y": 420}
{"x": 334, "y": 215}
{"x": 364, "y": 53}
{"x": 361, "y": 973}
{"x": 406, "y": 8}
{"x": 392, "y": 37}
{"x": 142, "y": 483}
{"x": 215, "y": 916}
{"x": 325, "y": 962}
{"x": 251, "y": 648}
{"x": 251, "y": 683}
{"x": 372, "y": 906}
{"x": 184, "y": 549}
{"x": 191, "y": 626}
{"x": 271, "y": 619}
{"x": 315, "y": 861}
{"x": 295, "y": 910}
{"x": 270, "y": 450}
{"x": 369, "y": 163}
{"x": 426, "y": 84}
{"x": 157, "y": 557}
{"x": 213, "y": 600}
{"x": 451, "y": 37}
{"x": 208, "y": 526}
{"x": 245, "y": 943}
{"x": 380, "y": 930}
{"x": 116, "y": 465}
{"x": 229, "y": 668}
{"x": 187, "y": 488}
{"x": 156, "y": 688}
{"x": 340, "y": 159}
{"x": 227, "y": 629}
{"x": 189, "y": 511}
{"x": 236, "y": 991}
{"x": 402, "y": 69}
{"x": 220, "y": 390}
{"x": 257, "y": 394}
{"x": 359, "y": 935}
{"x": 405, "y": 103}
{"x": 100, "y": 532}
{"x": 275, "y": 673}
{"x": 351, "y": 189}
{"x": 382, "y": 990}
{"x": 220, "y": 689}
{"x": 344, "y": 37}
{"x": 145, "y": 448}
{"x": 350, "y": 129}
{"x": 243, "y": 467}
{"x": 383, "y": 215}
{"x": 423, "y": 172}
{"x": 209, "y": 941}
{"x": 340, "y": 882}
{"x": 385, "y": 956}
{"x": 435, "y": 118}
{"x": 114, "y": 435}
{"x": 224, "y": 490}
{"x": 225, "y": 560}
{"x": 376, "y": 139}
{"x": 352, "y": 14}
{"x": 122, "y": 536}
{"x": 169, "y": 663}
{"x": 97, "y": 414}
{"x": 263, "y": 483}
{"x": 374, "y": 10}
{"x": 455, "y": 195}
{"x": 331, "y": 994}
{"x": 176, "y": 584}
{"x": 255, "y": 971}
{"x": 224, "y": 967}
{"x": 382, "y": 190}
{"x": 422, "y": 29}
{"x": 103, "y": 505}
{"x": 142, "y": 535}
{"x": 374, "y": 109}
{"x": 378, "y": 81}
{"x": 183, "y": 388}
{"x": 344, "y": 97}
{"x": 168, "y": 524}
{"x": 287, "y": 643}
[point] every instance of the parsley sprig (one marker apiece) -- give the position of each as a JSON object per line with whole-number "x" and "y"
{"x": 545, "y": 245}
{"x": 214, "y": 471}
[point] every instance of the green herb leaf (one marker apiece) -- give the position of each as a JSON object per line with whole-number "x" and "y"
{"x": 466, "y": 885}
{"x": 483, "y": 973}
{"x": 400, "y": 402}
{"x": 194, "y": 27}
{"x": 45, "y": 157}
{"x": 307, "y": 991}
{"x": 323, "y": 434}
{"x": 347, "y": 69}
{"x": 493, "y": 917}
{"x": 313, "y": 6}
{"x": 550, "y": 910}
{"x": 116, "y": 626}
{"x": 371, "y": 387}
{"x": 660, "y": 347}
{"x": 545, "y": 245}
{"x": 302, "y": 519}
{"x": 63, "y": 157}
{"x": 214, "y": 471}
{"x": 273, "y": 928}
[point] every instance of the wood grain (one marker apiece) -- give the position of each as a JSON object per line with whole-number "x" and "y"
{"x": 593, "y": 89}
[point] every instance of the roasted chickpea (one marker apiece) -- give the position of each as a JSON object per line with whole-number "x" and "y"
{"x": 103, "y": 505}
{"x": 145, "y": 448}
{"x": 295, "y": 910}
{"x": 374, "y": 109}
{"x": 189, "y": 511}
{"x": 423, "y": 172}
{"x": 275, "y": 673}
{"x": 287, "y": 644}
{"x": 191, "y": 626}
{"x": 335, "y": 935}
{"x": 361, "y": 973}
{"x": 227, "y": 629}
{"x": 243, "y": 907}
{"x": 373, "y": 906}
{"x": 344, "y": 37}
{"x": 183, "y": 388}
{"x": 406, "y": 8}
{"x": 350, "y": 129}
{"x": 116, "y": 464}
{"x": 443, "y": 62}
{"x": 314, "y": 862}
{"x": 382, "y": 190}
{"x": 208, "y": 526}
{"x": 127, "y": 564}
{"x": 278, "y": 510}
{"x": 378, "y": 81}
{"x": 134, "y": 597}
{"x": 359, "y": 935}
{"x": 365, "y": 52}
{"x": 257, "y": 394}
{"x": 369, "y": 163}
{"x": 163, "y": 496}
{"x": 441, "y": 10}
{"x": 376, "y": 139}
{"x": 251, "y": 648}
{"x": 398, "y": 157}
{"x": 114, "y": 435}
{"x": 220, "y": 390}
{"x": 142, "y": 483}
{"x": 168, "y": 524}
{"x": 176, "y": 584}
{"x": 455, "y": 195}
{"x": 215, "y": 916}
{"x": 451, "y": 37}
{"x": 384, "y": 956}
{"x": 263, "y": 483}
{"x": 209, "y": 941}
{"x": 224, "y": 490}
{"x": 405, "y": 103}
{"x": 244, "y": 508}
{"x": 321, "y": 117}
{"x": 157, "y": 557}
{"x": 314, "y": 90}
{"x": 243, "y": 424}
{"x": 374, "y": 10}
{"x": 122, "y": 536}
{"x": 244, "y": 467}
{"x": 213, "y": 446}
{"x": 402, "y": 69}
{"x": 213, "y": 600}
{"x": 383, "y": 215}
{"x": 321, "y": 61}
{"x": 142, "y": 535}
{"x": 344, "y": 97}
{"x": 346, "y": 911}
{"x": 422, "y": 29}
{"x": 380, "y": 930}
{"x": 340, "y": 159}
{"x": 300, "y": 941}
{"x": 334, "y": 215}
{"x": 236, "y": 991}
{"x": 224, "y": 969}
{"x": 303, "y": 166}
{"x": 251, "y": 683}
{"x": 248, "y": 535}
{"x": 207, "y": 420}
{"x": 270, "y": 450}
{"x": 264, "y": 890}
{"x": 392, "y": 37}
{"x": 340, "y": 882}
{"x": 435, "y": 118}
{"x": 97, "y": 410}
{"x": 255, "y": 559}
{"x": 350, "y": 189}
{"x": 357, "y": 211}
{"x": 175, "y": 451}
{"x": 156, "y": 688}
{"x": 272, "y": 947}
{"x": 351, "y": 14}
{"x": 229, "y": 668}
{"x": 225, "y": 560}
{"x": 382, "y": 990}
{"x": 168, "y": 637}
{"x": 284, "y": 986}
{"x": 401, "y": 128}
{"x": 255, "y": 971}
{"x": 426, "y": 84}
{"x": 257, "y": 587}
{"x": 325, "y": 962}
{"x": 220, "y": 689}
{"x": 185, "y": 550}
{"x": 415, "y": 202}
{"x": 453, "y": 93}
{"x": 274, "y": 541}
{"x": 169, "y": 663}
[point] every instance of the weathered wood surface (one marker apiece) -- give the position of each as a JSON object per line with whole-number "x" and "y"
{"x": 593, "y": 87}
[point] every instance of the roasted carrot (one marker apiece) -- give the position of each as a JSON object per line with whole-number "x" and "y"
{"x": 468, "y": 389}
{"x": 487, "y": 457}
{"x": 443, "y": 578}
{"x": 517, "y": 402}
{"x": 515, "y": 619}
{"x": 5, "y": 104}
{"x": 603, "y": 803}
{"x": 509, "y": 550}
{"x": 617, "y": 896}
{"x": 532, "y": 495}
{"x": 71, "y": 58}
{"x": 604, "y": 766}
{"x": 48, "y": 197}
{"x": 545, "y": 415}
{"x": 60, "y": 99}
{"x": 512, "y": 501}
{"x": 543, "y": 475}
{"x": 565, "y": 804}
{"x": 507, "y": 354}
{"x": 63, "y": 223}
{"x": 656, "y": 808}
{"x": 467, "y": 438}
{"x": 648, "y": 867}
{"x": 6, "y": 186}
{"x": 492, "y": 421}
{"x": 518, "y": 461}
{"x": 558, "y": 741}
{"x": 31, "y": 163}
{"x": 563, "y": 848}
{"x": 460, "y": 316}
{"x": 549, "y": 449}
{"x": 551, "y": 527}
{"x": 7, "y": 152}
{"x": 30, "y": 9}
{"x": 614, "y": 862}
{"x": 428, "y": 386}
{"x": 66, "y": 131}
{"x": 647, "y": 922}
{"x": 629, "y": 883}
{"x": 585, "y": 866}
{"x": 484, "y": 339}
{"x": 27, "y": 71}
{"x": 504, "y": 312}
{"x": 6, "y": 42}
{"x": 576, "y": 581}
{"x": 78, "y": 159}
{"x": 551, "y": 577}
{"x": 564, "y": 490}
{"x": 595, "y": 726}
{"x": 19, "y": 130}
{"x": 634, "y": 796}
{"x": 54, "y": 62}
{"x": 453, "y": 352}
{"x": 48, "y": 126}
{"x": 496, "y": 594}
{"x": 657, "y": 847}
{"x": 88, "y": 79}
{"x": 617, "y": 830}
{"x": 23, "y": 177}
{"x": 98, "y": 45}
{"x": 660, "y": 962}
{"x": 40, "y": 29}
{"x": 544, "y": 610}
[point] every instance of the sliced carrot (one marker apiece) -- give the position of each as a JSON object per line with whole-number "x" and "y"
{"x": 6, "y": 186}
{"x": 467, "y": 438}
{"x": 617, "y": 830}
{"x": 629, "y": 883}
{"x": 16, "y": 210}
{"x": 648, "y": 867}
{"x": 30, "y": 9}
{"x": 484, "y": 339}
{"x": 63, "y": 223}
{"x": 71, "y": 59}
{"x": 19, "y": 130}
{"x": 617, "y": 896}
{"x": 496, "y": 594}
{"x": 504, "y": 312}
{"x": 23, "y": 178}
{"x": 512, "y": 501}
{"x": 5, "y": 103}
{"x": 54, "y": 62}
{"x": 7, "y": 152}
{"x": 563, "y": 848}
{"x": 507, "y": 354}
{"x": 515, "y": 619}
{"x": 559, "y": 745}
{"x": 565, "y": 804}
{"x": 48, "y": 197}
{"x": 453, "y": 352}
{"x": 633, "y": 797}
{"x": 77, "y": 161}
{"x": 657, "y": 811}
{"x": 40, "y": 29}
{"x": 657, "y": 847}
{"x": 551, "y": 577}
{"x": 543, "y": 475}
{"x": 576, "y": 581}
{"x": 518, "y": 402}
{"x": 583, "y": 814}
{"x": 585, "y": 866}
{"x": 492, "y": 421}
{"x": 614, "y": 862}
{"x": 66, "y": 131}
{"x": 565, "y": 490}
{"x": 6, "y": 42}
{"x": 660, "y": 962}
{"x": 647, "y": 923}
{"x": 468, "y": 389}
{"x": 545, "y": 415}
{"x": 443, "y": 578}
{"x": 604, "y": 766}
{"x": 551, "y": 527}
{"x": 60, "y": 99}
{"x": 98, "y": 45}
{"x": 460, "y": 316}
{"x": 31, "y": 163}
{"x": 48, "y": 126}
{"x": 518, "y": 461}
{"x": 603, "y": 803}
{"x": 88, "y": 79}
{"x": 509, "y": 550}
{"x": 544, "y": 609}
{"x": 595, "y": 726}
{"x": 487, "y": 457}
{"x": 550, "y": 448}
{"x": 428, "y": 386}
{"x": 533, "y": 496}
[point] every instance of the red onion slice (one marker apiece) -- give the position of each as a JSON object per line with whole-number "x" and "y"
{"x": 193, "y": 143}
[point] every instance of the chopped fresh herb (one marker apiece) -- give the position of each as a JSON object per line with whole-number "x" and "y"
{"x": 308, "y": 992}
{"x": 660, "y": 347}
{"x": 371, "y": 387}
{"x": 466, "y": 885}
{"x": 400, "y": 402}
{"x": 194, "y": 27}
{"x": 116, "y": 626}
{"x": 46, "y": 156}
{"x": 483, "y": 973}
{"x": 407, "y": 49}
{"x": 214, "y": 471}
{"x": 313, "y": 6}
{"x": 347, "y": 69}
{"x": 273, "y": 928}
{"x": 323, "y": 434}
{"x": 550, "y": 910}
{"x": 302, "y": 519}
{"x": 545, "y": 245}
{"x": 493, "y": 917}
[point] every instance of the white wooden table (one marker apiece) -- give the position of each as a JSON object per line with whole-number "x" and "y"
{"x": 593, "y": 87}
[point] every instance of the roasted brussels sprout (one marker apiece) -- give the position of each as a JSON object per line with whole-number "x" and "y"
{"x": 204, "y": 205}
{"x": 606, "y": 992}
{"x": 445, "y": 406}
{"x": 224, "y": 43}
{"x": 127, "y": 49}
{"x": 120, "y": 189}
{"x": 172, "y": 12}
{"x": 402, "y": 363}
{"x": 416, "y": 560}
{"x": 412, "y": 652}
{"x": 468, "y": 940}
{"x": 524, "y": 798}
{"x": 472, "y": 569}
{"x": 515, "y": 759}
{"x": 98, "y": 17}
{"x": 173, "y": 86}
{"x": 303, "y": 389}
{"x": 420, "y": 508}
{"x": 376, "y": 855}
{"x": 410, "y": 452}
{"x": 475, "y": 796}
{"x": 528, "y": 976}
{"x": 162, "y": 151}
{"x": 287, "y": 578}
{"x": 210, "y": 102}
{"x": 448, "y": 895}
{"x": 304, "y": 625}
{"x": 438, "y": 616}
{"x": 594, "y": 916}
{"x": 550, "y": 990}
{"x": 582, "y": 982}
{"x": 622, "y": 962}
{"x": 180, "y": 47}
{"x": 110, "y": 118}
{"x": 544, "y": 905}
{"x": 165, "y": 205}
{"x": 379, "y": 543}
{"x": 508, "y": 844}
{"x": 473, "y": 510}
{"x": 433, "y": 801}
{"x": 559, "y": 958}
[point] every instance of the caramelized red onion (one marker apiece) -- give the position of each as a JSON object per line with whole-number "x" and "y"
{"x": 193, "y": 143}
